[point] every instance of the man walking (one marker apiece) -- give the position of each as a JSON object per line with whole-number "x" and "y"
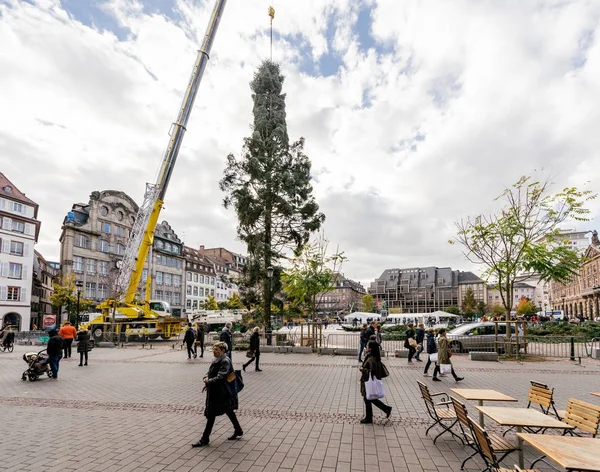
{"x": 364, "y": 339}
{"x": 188, "y": 339}
{"x": 199, "y": 340}
{"x": 419, "y": 337}
{"x": 227, "y": 338}
{"x": 54, "y": 350}
{"x": 67, "y": 333}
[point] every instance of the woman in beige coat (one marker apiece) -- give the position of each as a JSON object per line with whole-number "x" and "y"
{"x": 444, "y": 354}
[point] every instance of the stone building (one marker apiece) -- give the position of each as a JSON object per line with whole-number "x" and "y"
{"x": 168, "y": 268}
{"x": 421, "y": 290}
{"x": 345, "y": 296}
{"x": 233, "y": 260}
{"x": 225, "y": 279}
{"x": 19, "y": 230}
{"x": 199, "y": 278}
{"x": 521, "y": 289}
{"x": 93, "y": 239}
{"x": 580, "y": 297}
{"x": 468, "y": 280}
{"x": 44, "y": 275}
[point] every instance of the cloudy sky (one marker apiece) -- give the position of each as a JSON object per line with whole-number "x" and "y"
{"x": 415, "y": 113}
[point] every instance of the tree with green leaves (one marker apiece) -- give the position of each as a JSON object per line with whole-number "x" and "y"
{"x": 368, "y": 304}
{"x": 497, "y": 310}
{"x": 312, "y": 274}
{"x": 269, "y": 186}
{"x": 65, "y": 295}
{"x": 526, "y": 307}
{"x": 524, "y": 236}
{"x": 210, "y": 303}
{"x": 234, "y": 302}
{"x": 469, "y": 303}
{"x": 481, "y": 308}
{"x": 453, "y": 309}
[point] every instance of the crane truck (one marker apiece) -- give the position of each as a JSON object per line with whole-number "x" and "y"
{"x": 122, "y": 313}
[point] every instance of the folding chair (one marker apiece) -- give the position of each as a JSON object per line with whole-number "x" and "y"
{"x": 543, "y": 396}
{"x": 440, "y": 413}
{"x": 499, "y": 444}
{"x": 487, "y": 452}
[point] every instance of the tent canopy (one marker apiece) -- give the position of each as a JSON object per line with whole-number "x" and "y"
{"x": 436, "y": 314}
{"x": 362, "y": 316}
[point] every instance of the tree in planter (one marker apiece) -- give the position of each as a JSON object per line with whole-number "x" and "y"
{"x": 526, "y": 307}
{"x": 469, "y": 303}
{"x": 525, "y": 236}
{"x": 210, "y": 303}
{"x": 312, "y": 275}
{"x": 65, "y": 295}
{"x": 368, "y": 304}
{"x": 269, "y": 186}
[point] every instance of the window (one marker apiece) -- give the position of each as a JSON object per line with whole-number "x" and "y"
{"x": 103, "y": 246}
{"x": 195, "y": 291}
{"x": 189, "y": 276}
{"x": 168, "y": 297}
{"x": 212, "y": 281}
{"x": 15, "y": 271}
{"x": 201, "y": 279}
{"x": 195, "y": 277}
{"x": 120, "y": 215}
{"x": 212, "y": 292}
{"x": 188, "y": 304}
{"x": 120, "y": 249}
{"x": 106, "y": 228}
{"x": 188, "y": 290}
{"x": 159, "y": 278}
{"x": 14, "y": 294}
{"x": 103, "y": 267}
{"x": 17, "y": 207}
{"x": 90, "y": 290}
{"x": 120, "y": 231}
{"x": 159, "y": 244}
{"x": 77, "y": 264}
{"x": 18, "y": 227}
{"x": 82, "y": 241}
{"x": 104, "y": 210}
{"x": 159, "y": 294}
{"x": 195, "y": 304}
{"x": 176, "y": 298}
{"x": 202, "y": 291}
{"x": 168, "y": 247}
{"x": 102, "y": 291}
{"x": 16, "y": 248}
{"x": 177, "y": 280}
{"x": 168, "y": 279}
{"x": 90, "y": 266}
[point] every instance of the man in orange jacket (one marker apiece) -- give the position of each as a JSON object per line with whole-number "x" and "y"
{"x": 68, "y": 333}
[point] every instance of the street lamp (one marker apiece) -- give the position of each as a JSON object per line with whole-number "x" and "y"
{"x": 268, "y": 306}
{"x": 563, "y": 305}
{"x": 79, "y": 285}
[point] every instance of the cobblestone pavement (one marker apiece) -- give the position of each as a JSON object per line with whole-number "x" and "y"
{"x": 137, "y": 409}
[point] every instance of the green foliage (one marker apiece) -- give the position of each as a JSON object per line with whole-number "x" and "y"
{"x": 526, "y": 307}
{"x": 368, "y": 305}
{"x": 65, "y": 295}
{"x": 210, "y": 303}
{"x": 481, "y": 308}
{"x": 525, "y": 235}
{"x": 453, "y": 309}
{"x": 269, "y": 186}
{"x": 469, "y": 303}
{"x": 396, "y": 328}
{"x": 498, "y": 310}
{"x": 234, "y": 302}
{"x": 311, "y": 275}
{"x": 589, "y": 330}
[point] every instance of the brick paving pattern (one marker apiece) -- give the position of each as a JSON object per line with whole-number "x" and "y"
{"x": 137, "y": 409}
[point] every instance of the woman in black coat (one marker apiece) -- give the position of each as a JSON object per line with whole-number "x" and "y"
{"x": 83, "y": 345}
{"x": 219, "y": 400}
{"x": 410, "y": 333}
{"x": 254, "y": 348}
{"x": 372, "y": 367}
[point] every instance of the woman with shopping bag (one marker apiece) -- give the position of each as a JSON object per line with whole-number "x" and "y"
{"x": 444, "y": 365}
{"x": 371, "y": 385}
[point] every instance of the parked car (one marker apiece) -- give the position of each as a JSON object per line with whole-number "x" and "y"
{"x": 481, "y": 337}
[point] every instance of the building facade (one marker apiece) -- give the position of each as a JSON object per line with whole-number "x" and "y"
{"x": 44, "y": 275}
{"x": 580, "y": 297}
{"x": 93, "y": 240}
{"x": 232, "y": 260}
{"x": 19, "y": 230}
{"x": 344, "y": 297}
{"x": 419, "y": 290}
{"x": 521, "y": 289}
{"x": 200, "y": 278}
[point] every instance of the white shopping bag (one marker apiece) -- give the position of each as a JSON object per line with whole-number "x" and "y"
{"x": 446, "y": 368}
{"x": 433, "y": 357}
{"x": 374, "y": 388}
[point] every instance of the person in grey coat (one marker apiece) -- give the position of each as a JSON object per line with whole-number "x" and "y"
{"x": 227, "y": 338}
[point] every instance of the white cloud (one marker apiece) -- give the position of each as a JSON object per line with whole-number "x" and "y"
{"x": 457, "y": 101}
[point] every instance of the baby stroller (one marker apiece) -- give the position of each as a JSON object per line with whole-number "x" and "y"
{"x": 37, "y": 363}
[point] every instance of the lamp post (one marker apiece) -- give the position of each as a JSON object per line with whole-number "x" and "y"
{"x": 268, "y": 306}
{"x": 563, "y": 306}
{"x": 79, "y": 285}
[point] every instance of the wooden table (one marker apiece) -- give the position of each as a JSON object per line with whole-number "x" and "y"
{"x": 570, "y": 452}
{"x": 482, "y": 395}
{"x": 522, "y": 417}
{"x": 596, "y": 394}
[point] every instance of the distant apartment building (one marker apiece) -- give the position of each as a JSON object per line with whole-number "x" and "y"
{"x": 232, "y": 260}
{"x": 200, "y": 278}
{"x": 521, "y": 289}
{"x": 44, "y": 275}
{"x": 19, "y": 230}
{"x": 579, "y": 240}
{"x": 423, "y": 290}
{"x": 345, "y": 296}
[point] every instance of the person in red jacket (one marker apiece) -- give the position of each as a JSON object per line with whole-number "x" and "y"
{"x": 68, "y": 333}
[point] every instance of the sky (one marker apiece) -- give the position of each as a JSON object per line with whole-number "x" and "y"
{"x": 415, "y": 113}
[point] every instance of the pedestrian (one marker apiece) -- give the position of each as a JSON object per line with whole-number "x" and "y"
{"x": 372, "y": 366}
{"x": 188, "y": 338}
{"x": 199, "y": 340}
{"x": 54, "y": 351}
{"x": 83, "y": 345}
{"x": 444, "y": 354}
{"x": 364, "y": 339}
{"x": 227, "y": 338}
{"x": 432, "y": 349}
{"x": 419, "y": 338}
{"x": 219, "y": 400}
{"x": 409, "y": 342}
{"x": 378, "y": 337}
{"x": 67, "y": 333}
{"x": 254, "y": 349}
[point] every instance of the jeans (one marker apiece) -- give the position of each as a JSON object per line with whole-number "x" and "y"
{"x": 67, "y": 347}
{"x": 201, "y": 348}
{"x": 210, "y": 422}
{"x": 428, "y": 364}
{"x": 190, "y": 350}
{"x": 436, "y": 371}
{"x": 418, "y": 353}
{"x": 411, "y": 353}
{"x": 369, "y": 407}
{"x": 362, "y": 348}
{"x": 54, "y": 362}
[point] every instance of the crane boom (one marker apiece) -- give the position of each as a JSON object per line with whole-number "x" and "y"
{"x": 142, "y": 233}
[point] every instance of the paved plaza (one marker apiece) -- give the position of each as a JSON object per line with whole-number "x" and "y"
{"x": 135, "y": 409}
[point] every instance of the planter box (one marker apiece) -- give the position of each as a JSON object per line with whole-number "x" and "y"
{"x": 281, "y": 349}
{"x": 483, "y": 356}
{"x": 346, "y": 352}
{"x": 326, "y": 351}
{"x": 266, "y": 349}
{"x": 401, "y": 353}
{"x": 302, "y": 350}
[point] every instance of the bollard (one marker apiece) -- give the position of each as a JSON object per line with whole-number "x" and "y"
{"x": 572, "y": 349}
{"x": 150, "y": 346}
